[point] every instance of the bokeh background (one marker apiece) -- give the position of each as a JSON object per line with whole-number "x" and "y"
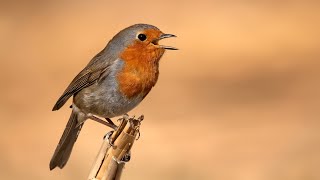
{"x": 239, "y": 101}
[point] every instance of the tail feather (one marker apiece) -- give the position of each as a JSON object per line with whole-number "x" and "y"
{"x": 67, "y": 140}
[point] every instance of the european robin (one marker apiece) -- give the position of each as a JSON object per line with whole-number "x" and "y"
{"x": 115, "y": 81}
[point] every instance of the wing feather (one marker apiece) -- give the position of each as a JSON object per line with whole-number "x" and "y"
{"x": 88, "y": 76}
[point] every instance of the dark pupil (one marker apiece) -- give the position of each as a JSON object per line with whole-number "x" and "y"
{"x": 142, "y": 37}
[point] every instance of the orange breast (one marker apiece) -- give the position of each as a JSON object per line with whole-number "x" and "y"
{"x": 140, "y": 71}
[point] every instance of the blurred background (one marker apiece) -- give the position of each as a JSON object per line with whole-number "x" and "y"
{"x": 239, "y": 101}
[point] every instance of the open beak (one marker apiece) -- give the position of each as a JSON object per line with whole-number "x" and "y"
{"x": 164, "y": 36}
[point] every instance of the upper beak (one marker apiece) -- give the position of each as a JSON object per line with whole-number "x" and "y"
{"x": 164, "y": 36}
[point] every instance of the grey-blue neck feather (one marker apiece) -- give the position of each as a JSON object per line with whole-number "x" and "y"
{"x": 125, "y": 38}
{"x": 119, "y": 42}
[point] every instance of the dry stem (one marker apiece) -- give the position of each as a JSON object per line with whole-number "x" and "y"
{"x": 115, "y": 147}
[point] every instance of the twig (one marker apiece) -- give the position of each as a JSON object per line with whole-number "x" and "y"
{"x": 115, "y": 150}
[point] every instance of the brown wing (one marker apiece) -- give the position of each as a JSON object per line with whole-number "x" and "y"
{"x": 88, "y": 76}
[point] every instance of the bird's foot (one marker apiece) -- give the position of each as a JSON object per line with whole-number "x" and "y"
{"x": 135, "y": 124}
{"x": 125, "y": 117}
{"x": 108, "y": 136}
{"x": 126, "y": 157}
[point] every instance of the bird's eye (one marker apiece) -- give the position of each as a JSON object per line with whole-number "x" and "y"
{"x": 142, "y": 37}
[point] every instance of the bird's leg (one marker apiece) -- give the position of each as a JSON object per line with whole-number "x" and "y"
{"x": 113, "y": 126}
{"x": 110, "y": 121}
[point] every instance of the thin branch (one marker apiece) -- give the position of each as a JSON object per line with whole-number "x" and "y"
{"x": 115, "y": 150}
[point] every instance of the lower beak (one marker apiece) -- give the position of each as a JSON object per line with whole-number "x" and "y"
{"x": 164, "y": 36}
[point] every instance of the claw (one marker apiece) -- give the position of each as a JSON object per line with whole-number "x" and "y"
{"x": 138, "y": 135}
{"x": 126, "y": 157}
{"x": 141, "y": 118}
{"x": 108, "y": 135}
{"x": 111, "y": 144}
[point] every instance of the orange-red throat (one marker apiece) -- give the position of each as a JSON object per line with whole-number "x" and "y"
{"x": 141, "y": 65}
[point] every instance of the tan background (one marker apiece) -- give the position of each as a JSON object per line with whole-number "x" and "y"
{"x": 239, "y": 101}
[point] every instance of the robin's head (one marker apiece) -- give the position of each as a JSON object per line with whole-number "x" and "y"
{"x": 138, "y": 47}
{"x": 141, "y": 38}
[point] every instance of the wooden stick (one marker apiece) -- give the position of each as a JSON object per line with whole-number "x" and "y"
{"x": 114, "y": 150}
